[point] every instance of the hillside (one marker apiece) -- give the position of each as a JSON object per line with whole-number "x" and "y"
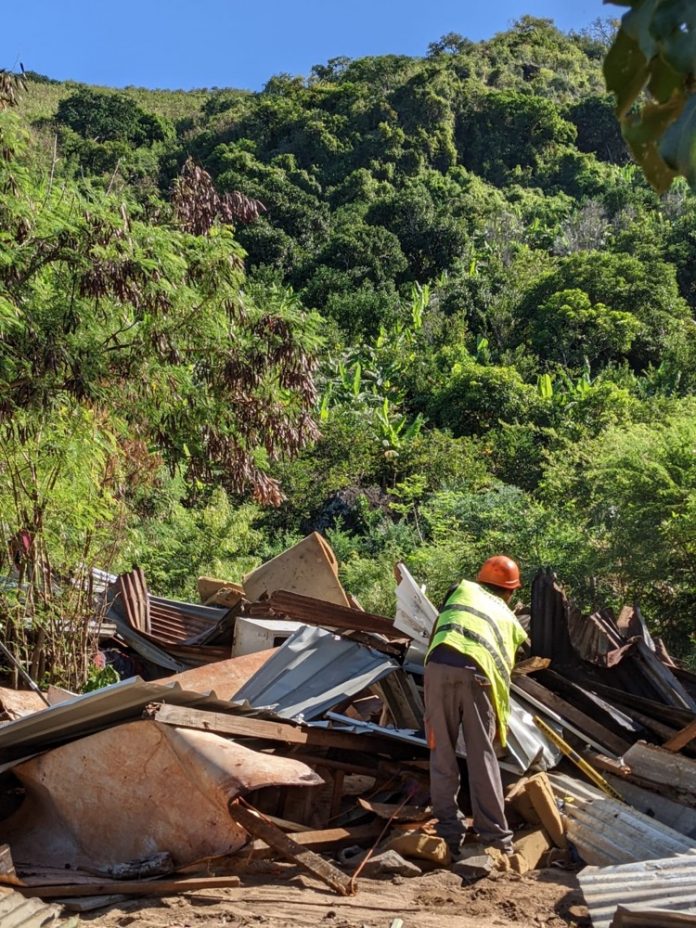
{"x": 500, "y": 309}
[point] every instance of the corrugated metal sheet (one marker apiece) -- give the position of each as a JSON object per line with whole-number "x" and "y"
{"x": 92, "y": 712}
{"x": 668, "y": 884}
{"x": 596, "y": 637}
{"x": 18, "y": 912}
{"x": 415, "y": 616}
{"x": 169, "y": 633}
{"x": 680, "y": 817}
{"x": 626, "y": 917}
{"x": 607, "y": 832}
{"x": 548, "y": 627}
{"x": 312, "y": 672}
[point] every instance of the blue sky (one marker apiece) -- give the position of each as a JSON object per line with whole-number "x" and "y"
{"x": 241, "y": 43}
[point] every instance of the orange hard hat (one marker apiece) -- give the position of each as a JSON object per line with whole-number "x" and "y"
{"x": 500, "y": 571}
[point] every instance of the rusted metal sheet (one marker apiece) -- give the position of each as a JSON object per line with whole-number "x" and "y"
{"x": 223, "y": 678}
{"x": 668, "y": 884}
{"x": 172, "y": 634}
{"x": 136, "y": 790}
{"x": 317, "y": 612}
{"x": 132, "y": 590}
{"x": 18, "y": 703}
{"x": 551, "y": 611}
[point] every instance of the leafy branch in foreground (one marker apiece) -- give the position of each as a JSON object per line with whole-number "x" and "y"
{"x": 655, "y": 51}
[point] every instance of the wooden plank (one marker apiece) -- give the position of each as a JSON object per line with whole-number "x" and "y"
{"x": 395, "y": 648}
{"x": 531, "y": 665}
{"x": 609, "y": 764}
{"x": 652, "y": 707}
{"x": 403, "y": 702}
{"x": 129, "y": 887}
{"x": 247, "y": 727}
{"x": 290, "y": 849}
{"x": 682, "y": 738}
{"x": 575, "y": 716}
{"x": 663, "y": 768}
{"x": 325, "y": 839}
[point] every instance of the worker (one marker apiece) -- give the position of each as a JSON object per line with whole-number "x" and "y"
{"x": 467, "y": 687}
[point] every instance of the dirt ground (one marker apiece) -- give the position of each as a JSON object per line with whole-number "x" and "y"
{"x": 285, "y": 898}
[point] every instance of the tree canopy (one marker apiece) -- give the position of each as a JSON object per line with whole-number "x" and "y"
{"x": 426, "y": 305}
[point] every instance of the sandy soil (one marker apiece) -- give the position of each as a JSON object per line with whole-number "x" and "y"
{"x": 284, "y": 898}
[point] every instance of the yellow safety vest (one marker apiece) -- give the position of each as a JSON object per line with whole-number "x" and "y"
{"x": 479, "y": 624}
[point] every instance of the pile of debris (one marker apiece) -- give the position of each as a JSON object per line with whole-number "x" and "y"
{"x": 292, "y": 728}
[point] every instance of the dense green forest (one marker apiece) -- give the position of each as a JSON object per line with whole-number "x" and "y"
{"x": 427, "y": 306}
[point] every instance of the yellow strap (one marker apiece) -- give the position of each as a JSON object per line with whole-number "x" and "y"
{"x": 580, "y": 762}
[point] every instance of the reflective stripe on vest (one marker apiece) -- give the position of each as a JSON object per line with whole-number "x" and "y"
{"x": 479, "y": 639}
{"x": 486, "y": 618}
{"x": 479, "y": 624}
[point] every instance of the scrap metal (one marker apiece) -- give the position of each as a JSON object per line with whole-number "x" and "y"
{"x": 667, "y": 884}
{"x": 177, "y": 781}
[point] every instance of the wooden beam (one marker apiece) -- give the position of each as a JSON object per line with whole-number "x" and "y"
{"x": 682, "y": 738}
{"x": 574, "y": 716}
{"x": 243, "y": 726}
{"x": 129, "y": 887}
{"x": 325, "y": 839}
{"x": 290, "y": 849}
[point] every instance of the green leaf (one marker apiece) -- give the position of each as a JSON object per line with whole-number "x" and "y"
{"x": 664, "y": 80}
{"x": 678, "y": 146}
{"x": 357, "y": 377}
{"x": 625, "y": 71}
{"x": 545, "y": 387}
{"x": 673, "y": 27}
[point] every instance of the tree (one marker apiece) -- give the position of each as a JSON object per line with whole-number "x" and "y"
{"x": 452, "y": 43}
{"x": 150, "y": 323}
{"x": 644, "y": 289}
{"x": 101, "y": 116}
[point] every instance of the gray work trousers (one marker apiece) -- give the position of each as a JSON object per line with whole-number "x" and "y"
{"x": 454, "y": 699}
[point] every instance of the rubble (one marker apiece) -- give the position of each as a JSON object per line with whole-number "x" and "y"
{"x": 277, "y": 720}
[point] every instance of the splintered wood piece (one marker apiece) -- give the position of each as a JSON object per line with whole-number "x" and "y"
{"x": 531, "y": 665}
{"x": 129, "y": 887}
{"x": 682, "y": 738}
{"x": 252, "y": 822}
